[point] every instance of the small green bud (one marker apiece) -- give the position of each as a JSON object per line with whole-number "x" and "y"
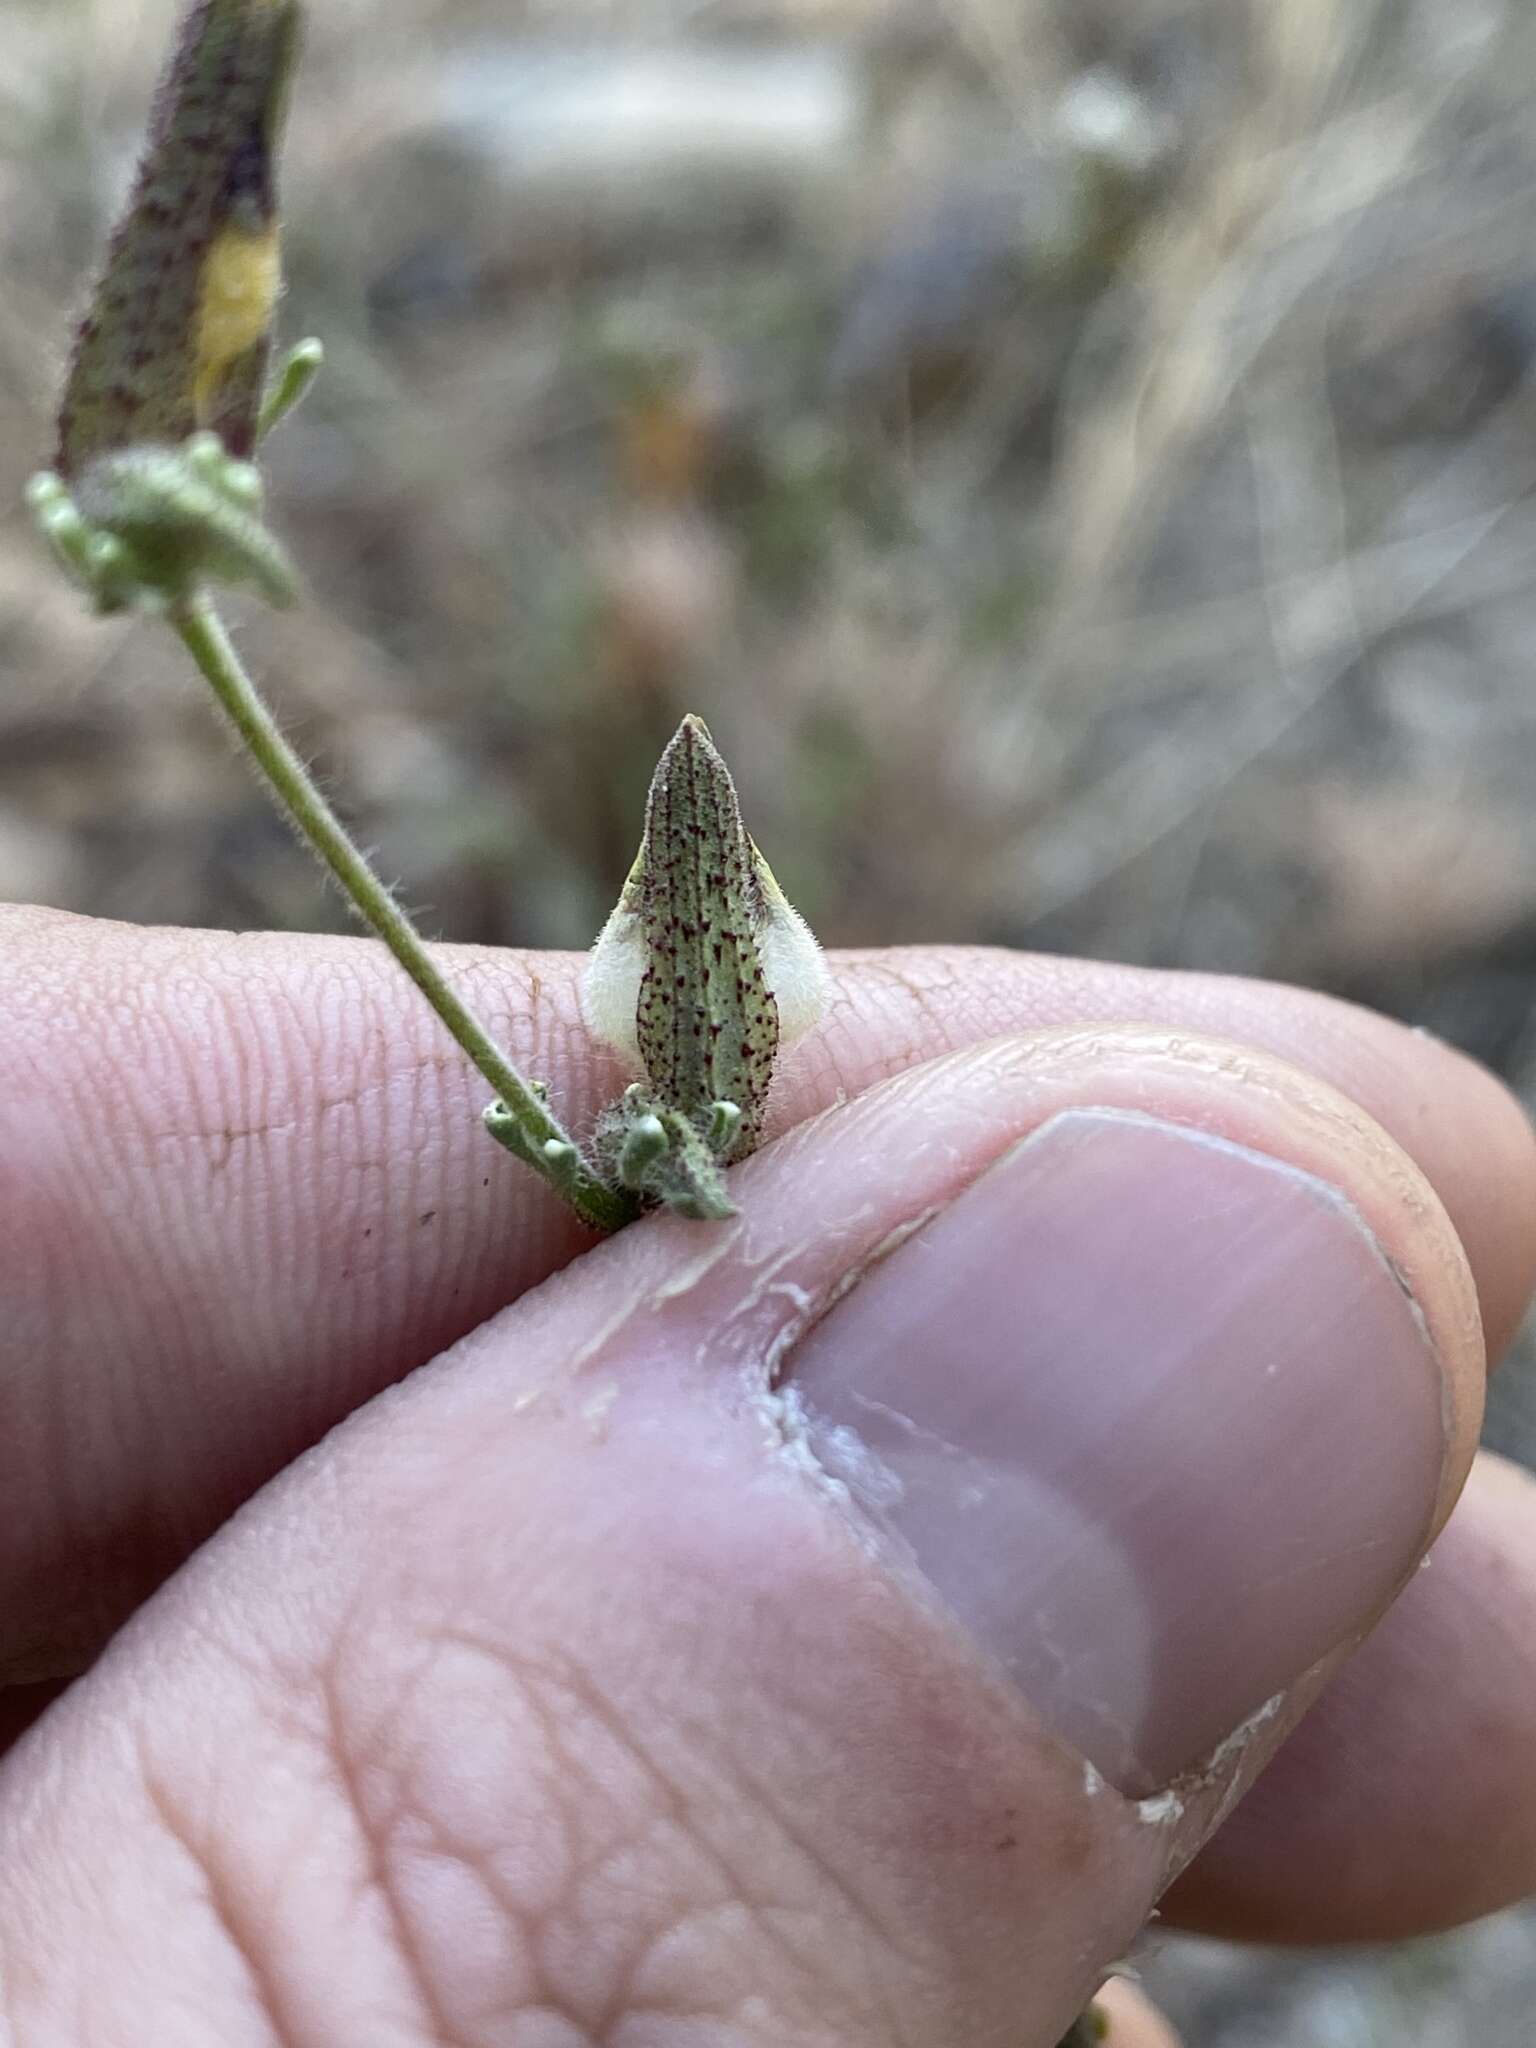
{"x": 556, "y": 1158}
{"x": 724, "y": 1124}
{"x": 242, "y": 482}
{"x": 644, "y": 1143}
{"x": 704, "y": 971}
{"x": 508, "y": 1130}
{"x": 562, "y": 1160}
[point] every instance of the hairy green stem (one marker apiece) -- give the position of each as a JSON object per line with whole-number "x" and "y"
{"x": 540, "y": 1139}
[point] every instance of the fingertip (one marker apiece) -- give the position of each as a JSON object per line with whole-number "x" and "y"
{"x": 1405, "y": 1802}
{"x": 1131, "y": 2019}
{"x": 1463, "y": 1128}
{"x": 1471, "y": 1134}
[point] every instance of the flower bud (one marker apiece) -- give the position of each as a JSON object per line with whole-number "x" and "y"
{"x": 179, "y": 330}
{"x": 704, "y": 971}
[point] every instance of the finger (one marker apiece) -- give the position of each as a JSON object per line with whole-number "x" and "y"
{"x": 1406, "y": 1801}
{"x": 1461, "y": 1127}
{"x": 247, "y": 1187}
{"x": 594, "y": 1689}
{"x": 1131, "y": 2020}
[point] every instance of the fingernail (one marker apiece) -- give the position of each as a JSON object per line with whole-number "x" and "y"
{"x": 1154, "y": 1416}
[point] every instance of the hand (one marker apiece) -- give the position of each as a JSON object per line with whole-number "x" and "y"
{"x": 582, "y": 1689}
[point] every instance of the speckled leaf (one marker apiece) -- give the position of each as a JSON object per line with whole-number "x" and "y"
{"x": 708, "y": 1024}
{"x": 178, "y": 333}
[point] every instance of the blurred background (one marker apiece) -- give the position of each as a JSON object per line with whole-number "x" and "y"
{"x": 1077, "y": 454}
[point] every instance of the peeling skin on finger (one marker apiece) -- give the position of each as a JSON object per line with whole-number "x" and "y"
{"x": 1162, "y": 1811}
{"x": 1207, "y": 1796}
{"x": 1219, "y": 1775}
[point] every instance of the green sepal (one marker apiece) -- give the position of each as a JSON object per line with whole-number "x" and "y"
{"x": 688, "y": 1178}
{"x": 146, "y": 527}
{"x": 290, "y": 387}
{"x": 645, "y": 1143}
{"x": 664, "y": 1156}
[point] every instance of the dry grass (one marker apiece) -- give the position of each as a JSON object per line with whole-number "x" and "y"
{"x": 1077, "y": 587}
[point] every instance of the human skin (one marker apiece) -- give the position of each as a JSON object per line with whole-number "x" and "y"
{"x": 558, "y": 1696}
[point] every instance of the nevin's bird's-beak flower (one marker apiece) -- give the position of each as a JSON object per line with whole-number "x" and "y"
{"x": 701, "y": 976}
{"x": 166, "y": 396}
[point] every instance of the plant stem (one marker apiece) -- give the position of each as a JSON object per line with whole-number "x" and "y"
{"x": 201, "y": 631}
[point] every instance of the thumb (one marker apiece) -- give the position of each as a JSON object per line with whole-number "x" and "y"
{"x": 830, "y": 1627}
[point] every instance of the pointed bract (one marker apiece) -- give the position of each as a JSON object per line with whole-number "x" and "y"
{"x": 704, "y": 971}
{"x": 179, "y": 329}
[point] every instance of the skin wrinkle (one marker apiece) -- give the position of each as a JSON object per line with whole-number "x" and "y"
{"x": 603, "y": 2015}
{"x": 77, "y": 1436}
{"x": 252, "y": 1064}
{"x": 815, "y": 2021}
{"x": 669, "y": 1804}
{"x": 296, "y": 1985}
{"x": 925, "y": 991}
{"x": 376, "y": 1874}
{"x": 668, "y": 1820}
{"x": 381, "y": 1756}
{"x": 367, "y": 1103}
{"x": 770, "y": 1943}
{"x": 828, "y": 1881}
{"x": 580, "y": 1704}
{"x": 42, "y": 1439}
{"x": 184, "y": 1079}
{"x": 887, "y": 1933}
{"x": 937, "y": 976}
{"x": 563, "y": 1776}
{"x": 265, "y": 1999}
